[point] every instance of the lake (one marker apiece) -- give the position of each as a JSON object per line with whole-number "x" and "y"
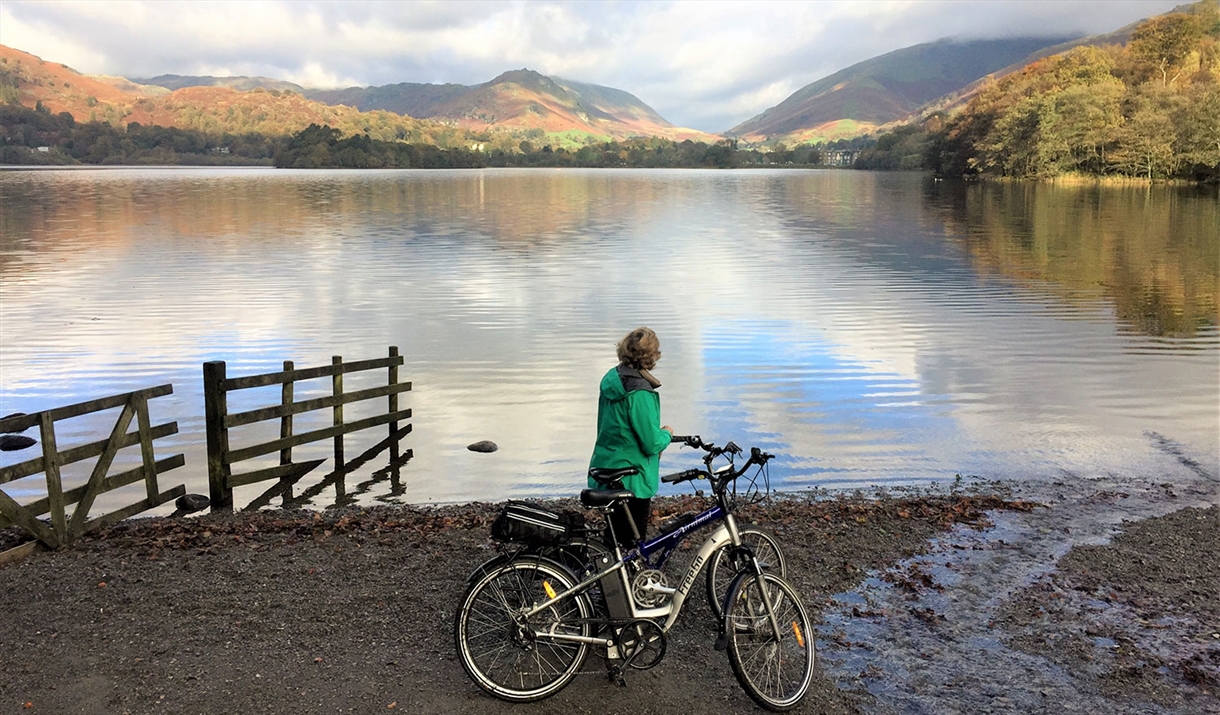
{"x": 868, "y": 328}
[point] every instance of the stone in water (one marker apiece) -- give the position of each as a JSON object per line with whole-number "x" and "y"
{"x": 14, "y": 442}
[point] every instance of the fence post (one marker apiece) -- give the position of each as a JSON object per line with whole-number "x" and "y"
{"x": 393, "y": 398}
{"x": 215, "y": 408}
{"x": 286, "y": 431}
{"x": 147, "y": 455}
{"x": 55, "y": 487}
{"x": 337, "y": 389}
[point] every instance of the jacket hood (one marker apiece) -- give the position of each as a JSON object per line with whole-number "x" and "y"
{"x": 622, "y": 380}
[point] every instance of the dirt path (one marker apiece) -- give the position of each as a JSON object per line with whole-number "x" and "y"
{"x": 351, "y": 611}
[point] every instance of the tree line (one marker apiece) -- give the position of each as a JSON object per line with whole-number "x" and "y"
{"x": 1150, "y": 109}
{"x": 325, "y": 147}
{"x": 23, "y": 131}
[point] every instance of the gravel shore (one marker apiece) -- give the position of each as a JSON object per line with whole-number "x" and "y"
{"x": 971, "y": 601}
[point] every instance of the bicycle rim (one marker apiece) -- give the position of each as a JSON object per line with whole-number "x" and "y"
{"x": 506, "y": 661}
{"x": 722, "y": 569}
{"x": 775, "y": 673}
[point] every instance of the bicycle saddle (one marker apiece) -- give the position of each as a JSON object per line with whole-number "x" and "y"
{"x": 594, "y": 498}
{"x": 611, "y": 477}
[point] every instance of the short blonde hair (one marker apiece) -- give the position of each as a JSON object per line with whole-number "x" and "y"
{"x": 640, "y": 349}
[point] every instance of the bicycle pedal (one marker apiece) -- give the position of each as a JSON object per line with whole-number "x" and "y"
{"x": 616, "y": 676}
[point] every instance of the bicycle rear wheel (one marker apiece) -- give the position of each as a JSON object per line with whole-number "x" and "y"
{"x": 770, "y": 648}
{"x": 723, "y": 568}
{"x": 501, "y": 651}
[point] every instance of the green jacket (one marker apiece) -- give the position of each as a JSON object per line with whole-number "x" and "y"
{"x": 629, "y": 430}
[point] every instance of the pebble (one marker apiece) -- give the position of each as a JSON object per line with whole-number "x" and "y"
{"x": 483, "y": 446}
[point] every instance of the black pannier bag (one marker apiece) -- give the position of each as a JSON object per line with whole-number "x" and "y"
{"x": 527, "y": 523}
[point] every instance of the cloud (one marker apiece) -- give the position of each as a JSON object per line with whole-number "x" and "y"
{"x": 704, "y": 64}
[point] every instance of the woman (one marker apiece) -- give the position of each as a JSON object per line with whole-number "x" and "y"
{"x": 628, "y": 431}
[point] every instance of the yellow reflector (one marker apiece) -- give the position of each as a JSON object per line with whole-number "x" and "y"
{"x": 550, "y": 592}
{"x": 800, "y": 637}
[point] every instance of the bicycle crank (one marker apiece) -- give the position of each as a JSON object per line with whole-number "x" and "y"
{"x": 643, "y": 643}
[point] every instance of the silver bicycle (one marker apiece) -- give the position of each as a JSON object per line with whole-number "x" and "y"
{"x": 526, "y": 622}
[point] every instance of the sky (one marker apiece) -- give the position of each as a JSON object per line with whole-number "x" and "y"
{"x": 700, "y": 64}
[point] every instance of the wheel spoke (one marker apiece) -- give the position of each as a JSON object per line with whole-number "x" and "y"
{"x": 516, "y": 660}
{"x": 776, "y": 673}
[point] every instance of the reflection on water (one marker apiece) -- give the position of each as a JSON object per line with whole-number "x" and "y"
{"x": 1150, "y": 251}
{"x": 869, "y": 328}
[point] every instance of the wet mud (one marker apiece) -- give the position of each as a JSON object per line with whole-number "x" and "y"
{"x": 1104, "y": 599}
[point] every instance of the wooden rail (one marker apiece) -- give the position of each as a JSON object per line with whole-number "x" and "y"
{"x": 62, "y": 529}
{"x": 221, "y": 458}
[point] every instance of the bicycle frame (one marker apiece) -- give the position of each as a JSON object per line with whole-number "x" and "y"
{"x": 726, "y": 534}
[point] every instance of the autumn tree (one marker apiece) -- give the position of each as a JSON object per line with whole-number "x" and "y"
{"x": 1161, "y": 45}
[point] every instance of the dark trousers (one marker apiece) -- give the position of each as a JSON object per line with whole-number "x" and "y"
{"x": 638, "y": 510}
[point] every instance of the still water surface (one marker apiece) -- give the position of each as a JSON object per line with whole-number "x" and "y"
{"x": 868, "y": 328}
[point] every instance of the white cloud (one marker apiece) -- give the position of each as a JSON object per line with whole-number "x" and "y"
{"x": 700, "y": 63}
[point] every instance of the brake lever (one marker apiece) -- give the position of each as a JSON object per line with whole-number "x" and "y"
{"x": 760, "y": 457}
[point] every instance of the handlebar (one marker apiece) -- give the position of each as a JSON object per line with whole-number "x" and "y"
{"x": 695, "y": 441}
{"x": 680, "y": 477}
{"x": 757, "y": 456}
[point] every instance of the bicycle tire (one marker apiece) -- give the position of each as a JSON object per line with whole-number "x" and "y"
{"x": 577, "y": 554}
{"x": 775, "y": 674}
{"x": 505, "y": 661}
{"x": 721, "y": 570}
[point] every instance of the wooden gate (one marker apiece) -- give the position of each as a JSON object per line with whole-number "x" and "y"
{"x": 62, "y": 529}
{"x": 221, "y": 459}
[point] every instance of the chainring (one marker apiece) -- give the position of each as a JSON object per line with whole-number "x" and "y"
{"x": 643, "y": 588}
{"x": 642, "y": 643}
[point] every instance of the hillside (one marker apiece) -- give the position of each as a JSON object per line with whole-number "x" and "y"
{"x": 31, "y": 81}
{"x": 497, "y": 114}
{"x": 410, "y": 98}
{"x": 56, "y": 88}
{"x": 885, "y": 89}
{"x": 241, "y": 84}
{"x": 957, "y": 99}
{"x": 519, "y": 100}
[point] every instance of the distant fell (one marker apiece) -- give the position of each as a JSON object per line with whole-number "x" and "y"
{"x": 241, "y": 84}
{"x": 955, "y": 100}
{"x": 55, "y": 88}
{"x": 885, "y": 89}
{"x": 520, "y": 99}
{"x": 32, "y": 81}
{"x": 410, "y": 98}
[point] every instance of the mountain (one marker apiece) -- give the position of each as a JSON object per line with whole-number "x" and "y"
{"x": 241, "y": 84}
{"x": 957, "y": 99}
{"x": 33, "y": 82}
{"x": 59, "y": 88}
{"x": 885, "y": 89}
{"x": 416, "y": 100}
{"x": 519, "y": 99}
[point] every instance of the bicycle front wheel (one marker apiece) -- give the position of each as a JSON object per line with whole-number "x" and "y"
{"x": 770, "y": 640}
{"x": 722, "y": 568}
{"x": 509, "y": 656}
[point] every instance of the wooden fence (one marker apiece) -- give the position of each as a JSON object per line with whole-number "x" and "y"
{"x": 62, "y": 529}
{"x": 221, "y": 459}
